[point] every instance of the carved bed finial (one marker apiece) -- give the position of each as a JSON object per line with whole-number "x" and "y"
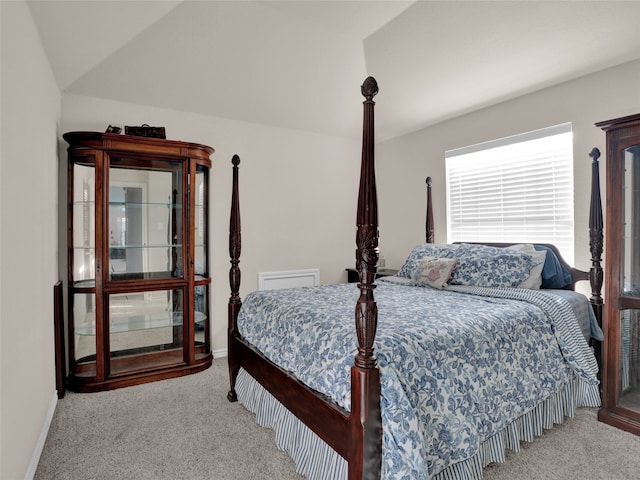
{"x": 369, "y": 88}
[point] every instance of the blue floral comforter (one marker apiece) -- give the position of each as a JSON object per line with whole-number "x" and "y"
{"x": 457, "y": 365}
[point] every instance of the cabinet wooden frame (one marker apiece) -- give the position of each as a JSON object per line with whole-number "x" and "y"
{"x": 104, "y": 369}
{"x": 621, "y": 134}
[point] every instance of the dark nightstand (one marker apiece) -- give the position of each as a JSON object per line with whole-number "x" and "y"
{"x": 352, "y": 273}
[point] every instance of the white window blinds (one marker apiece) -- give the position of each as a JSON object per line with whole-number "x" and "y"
{"x": 515, "y": 189}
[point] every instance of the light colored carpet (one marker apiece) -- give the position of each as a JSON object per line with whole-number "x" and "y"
{"x": 185, "y": 428}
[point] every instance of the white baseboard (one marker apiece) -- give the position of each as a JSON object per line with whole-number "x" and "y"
{"x": 222, "y": 353}
{"x": 35, "y": 457}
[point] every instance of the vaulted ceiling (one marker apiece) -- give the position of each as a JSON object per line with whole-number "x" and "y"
{"x": 299, "y": 64}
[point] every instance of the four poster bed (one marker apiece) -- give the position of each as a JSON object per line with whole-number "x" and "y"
{"x": 447, "y": 367}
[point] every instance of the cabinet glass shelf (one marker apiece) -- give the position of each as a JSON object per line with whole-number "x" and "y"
{"x": 159, "y": 245}
{"x": 146, "y": 321}
{"x": 132, "y": 204}
{"x": 91, "y": 282}
{"x": 145, "y": 204}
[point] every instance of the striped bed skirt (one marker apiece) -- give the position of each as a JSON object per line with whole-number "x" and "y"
{"x": 315, "y": 460}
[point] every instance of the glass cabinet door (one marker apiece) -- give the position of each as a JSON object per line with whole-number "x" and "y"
{"x": 83, "y": 347}
{"x": 631, "y": 222}
{"x": 145, "y": 221}
{"x": 84, "y": 330}
{"x": 629, "y": 374}
{"x": 84, "y": 222}
{"x": 201, "y": 269}
{"x": 200, "y": 222}
{"x": 144, "y": 329}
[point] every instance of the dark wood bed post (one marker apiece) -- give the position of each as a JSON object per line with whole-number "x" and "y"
{"x": 595, "y": 246}
{"x": 234, "y": 280}
{"x": 429, "y": 229}
{"x": 365, "y": 424}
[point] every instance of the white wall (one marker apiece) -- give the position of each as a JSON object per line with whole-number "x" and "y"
{"x": 28, "y": 239}
{"x": 297, "y": 192}
{"x": 405, "y": 162}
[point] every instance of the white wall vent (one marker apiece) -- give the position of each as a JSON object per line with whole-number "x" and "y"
{"x": 288, "y": 279}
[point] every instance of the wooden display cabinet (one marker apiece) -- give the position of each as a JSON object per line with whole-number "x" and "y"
{"x": 621, "y": 373}
{"x": 138, "y": 281}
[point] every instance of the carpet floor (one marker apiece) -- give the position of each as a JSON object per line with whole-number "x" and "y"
{"x": 184, "y": 428}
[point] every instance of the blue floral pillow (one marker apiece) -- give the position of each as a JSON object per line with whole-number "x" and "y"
{"x": 485, "y": 266}
{"x": 412, "y": 263}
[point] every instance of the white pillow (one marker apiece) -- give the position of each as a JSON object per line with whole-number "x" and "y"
{"x": 488, "y": 266}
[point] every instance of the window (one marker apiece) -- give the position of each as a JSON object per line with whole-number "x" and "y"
{"x": 515, "y": 189}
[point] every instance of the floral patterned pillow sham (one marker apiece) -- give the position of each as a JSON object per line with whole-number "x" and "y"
{"x": 485, "y": 266}
{"x": 534, "y": 280}
{"x": 435, "y": 250}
